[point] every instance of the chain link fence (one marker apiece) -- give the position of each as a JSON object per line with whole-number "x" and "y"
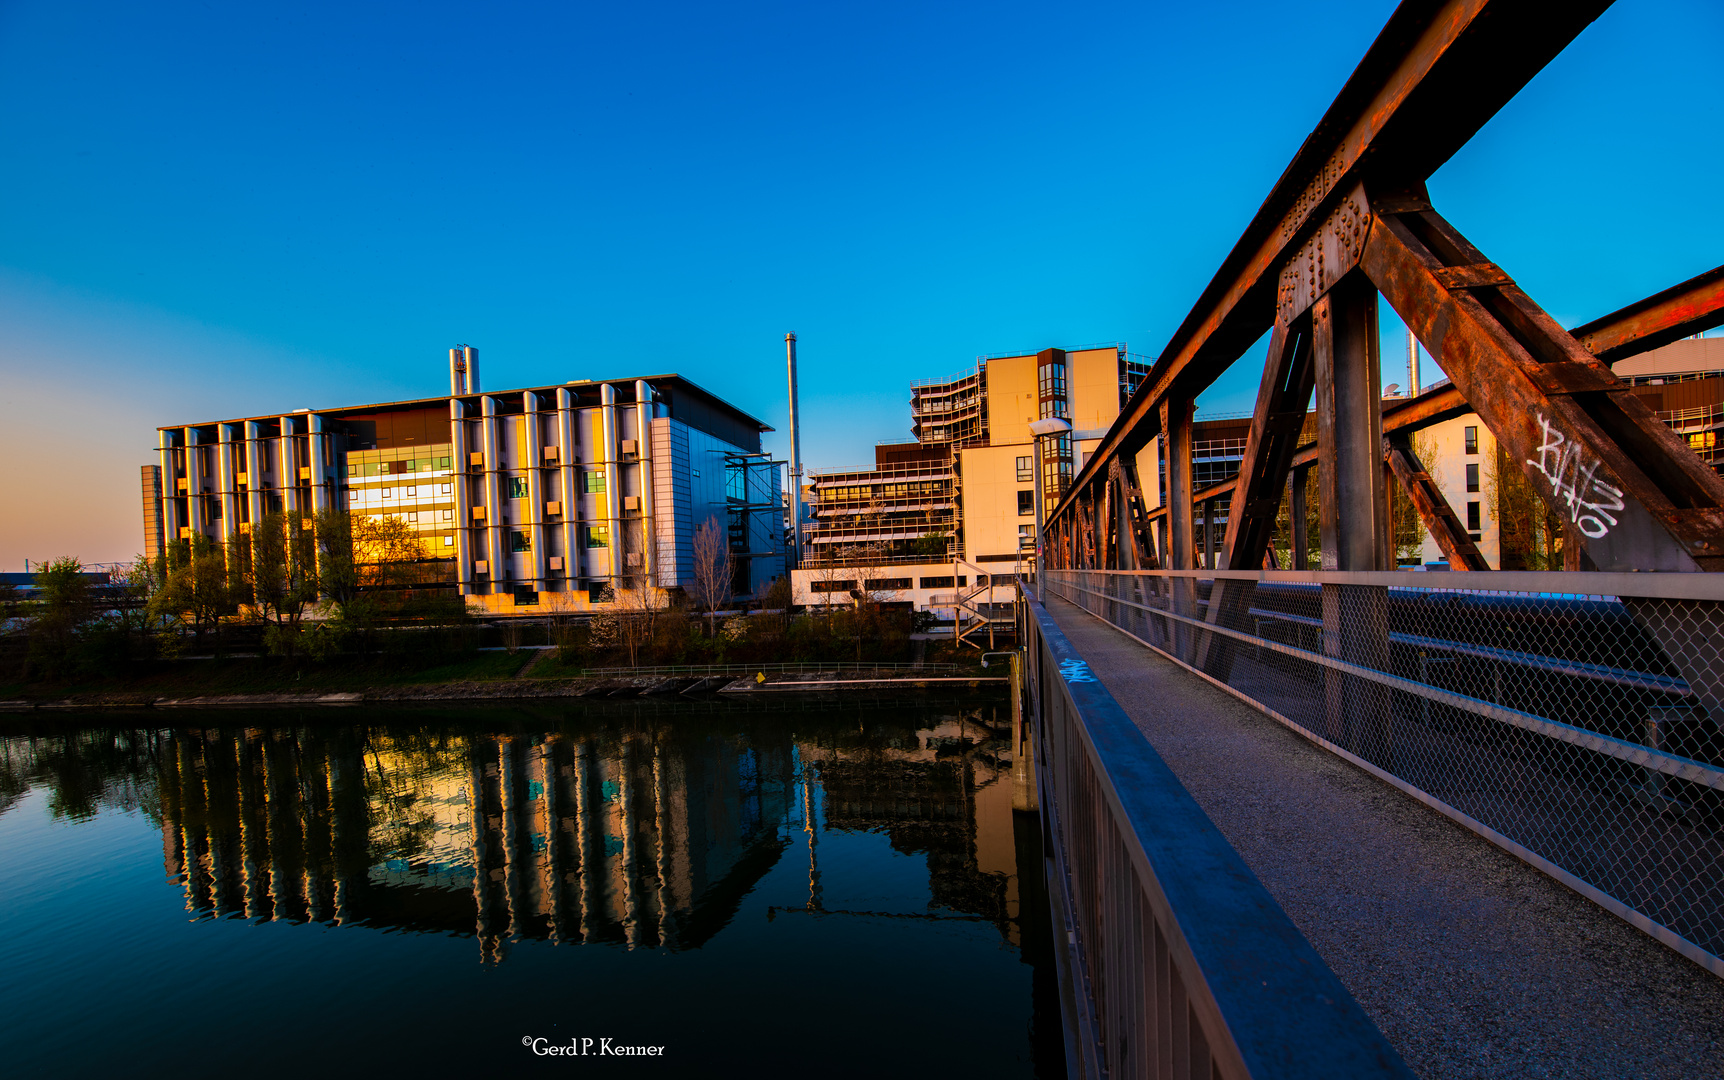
{"x": 1574, "y": 726}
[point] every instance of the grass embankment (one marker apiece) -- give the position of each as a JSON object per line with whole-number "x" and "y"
{"x": 212, "y": 678}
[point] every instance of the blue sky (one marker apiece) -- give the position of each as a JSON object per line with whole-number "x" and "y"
{"x": 212, "y": 211}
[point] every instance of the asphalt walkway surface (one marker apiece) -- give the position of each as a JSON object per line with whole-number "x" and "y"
{"x": 1470, "y": 961}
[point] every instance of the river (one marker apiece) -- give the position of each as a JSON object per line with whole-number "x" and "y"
{"x": 791, "y": 888}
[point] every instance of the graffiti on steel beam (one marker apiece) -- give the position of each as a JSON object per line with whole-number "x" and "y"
{"x": 1075, "y": 671}
{"x": 1573, "y": 477}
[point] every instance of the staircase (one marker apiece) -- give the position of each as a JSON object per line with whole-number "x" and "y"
{"x": 971, "y": 618}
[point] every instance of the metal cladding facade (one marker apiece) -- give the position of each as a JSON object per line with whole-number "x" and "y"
{"x": 558, "y": 489}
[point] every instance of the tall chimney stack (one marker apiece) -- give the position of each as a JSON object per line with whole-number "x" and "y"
{"x": 795, "y": 454}
{"x": 463, "y": 370}
{"x": 1412, "y": 364}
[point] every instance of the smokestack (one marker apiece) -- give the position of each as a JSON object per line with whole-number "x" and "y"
{"x": 1412, "y": 364}
{"x": 795, "y": 453}
{"x": 463, "y": 370}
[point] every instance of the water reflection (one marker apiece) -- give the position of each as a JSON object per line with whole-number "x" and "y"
{"x": 633, "y": 828}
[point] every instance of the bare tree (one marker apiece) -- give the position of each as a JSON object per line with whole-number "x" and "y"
{"x": 714, "y": 570}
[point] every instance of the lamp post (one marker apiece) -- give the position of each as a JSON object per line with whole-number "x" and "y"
{"x": 1051, "y": 426}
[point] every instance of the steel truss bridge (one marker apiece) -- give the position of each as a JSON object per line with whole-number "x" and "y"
{"x": 1572, "y": 718}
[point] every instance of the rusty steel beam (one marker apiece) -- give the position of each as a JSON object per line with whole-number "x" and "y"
{"x": 1439, "y": 517}
{"x": 1638, "y": 496}
{"x": 1435, "y": 74}
{"x": 1282, "y": 400}
{"x": 1678, "y": 312}
{"x": 1198, "y": 498}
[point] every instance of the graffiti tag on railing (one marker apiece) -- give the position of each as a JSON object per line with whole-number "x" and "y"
{"x": 1591, "y": 502}
{"x": 1075, "y": 671}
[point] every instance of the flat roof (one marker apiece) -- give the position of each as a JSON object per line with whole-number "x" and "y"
{"x": 674, "y": 380}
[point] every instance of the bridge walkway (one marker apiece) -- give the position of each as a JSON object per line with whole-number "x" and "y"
{"x": 1471, "y": 962}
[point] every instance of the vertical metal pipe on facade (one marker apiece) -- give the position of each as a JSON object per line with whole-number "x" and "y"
{"x": 171, "y": 517}
{"x": 319, "y": 462}
{"x": 255, "y": 506}
{"x": 492, "y": 491}
{"x": 649, "y": 538}
{"x": 568, "y": 473}
{"x": 533, "y": 456}
{"x": 608, "y": 401}
{"x": 796, "y": 457}
{"x": 195, "y": 516}
{"x": 471, "y": 355}
{"x": 287, "y": 469}
{"x": 463, "y": 502}
{"x": 227, "y": 482}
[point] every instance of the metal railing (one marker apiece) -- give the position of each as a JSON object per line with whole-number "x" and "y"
{"x": 1572, "y": 719}
{"x": 775, "y": 669}
{"x": 1174, "y": 960}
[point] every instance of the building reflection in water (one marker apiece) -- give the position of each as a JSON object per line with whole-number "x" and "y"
{"x": 646, "y": 832}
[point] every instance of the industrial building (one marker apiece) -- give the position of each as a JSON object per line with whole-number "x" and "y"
{"x": 933, "y": 520}
{"x": 516, "y": 495}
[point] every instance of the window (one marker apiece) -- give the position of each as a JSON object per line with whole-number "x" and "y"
{"x": 1473, "y": 517}
{"x": 353, "y": 470}
{"x": 1026, "y": 470}
{"x": 412, "y": 493}
{"x": 388, "y": 493}
{"x": 443, "y": 463}
{"x": 1702, "y": 440}
{"x": 1472, "y": 477}
{"x": 595, "y": 483}
{"x": 526, "y": 596}
{"x": 1471, "y": 434}
{"x": 382, "y": 468}
{"x": 1026, "y": 502}
{"x": 448, "y": 489}
{"x": 352, "y": 496}
{"x": 517, "y": 487}
{"x": 448, "y": 515}
{"x": 938, "y": 582}
{"x": 832, "y": 586}
{"x": 448, "y": 541}
{"x": 413, "y": 519}
{"x": 1026, "y": 536}
{"x": 884, "y": 584}
{"x": 598, "y": 536}
{"x": 520, "y": 541}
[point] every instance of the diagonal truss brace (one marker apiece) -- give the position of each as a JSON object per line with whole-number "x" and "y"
{"x": 1635, "y": 494}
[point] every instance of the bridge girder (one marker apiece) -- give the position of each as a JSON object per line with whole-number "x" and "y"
{"x": 1349, "y": 216}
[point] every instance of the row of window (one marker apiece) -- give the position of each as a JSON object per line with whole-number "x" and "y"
{"x": 386, "y": 468}
{"x": 411, "y": 491}
{"x": 593, "y": 483}
{"x": 865, "y": 492}
{"x": 844, "y": 585}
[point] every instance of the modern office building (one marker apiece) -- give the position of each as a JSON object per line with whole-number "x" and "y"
{"x": 934, "y": 518}
{"x": 556, "y": 490}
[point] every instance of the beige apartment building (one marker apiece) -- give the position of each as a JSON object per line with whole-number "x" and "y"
{"x": 934, "y": 521}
